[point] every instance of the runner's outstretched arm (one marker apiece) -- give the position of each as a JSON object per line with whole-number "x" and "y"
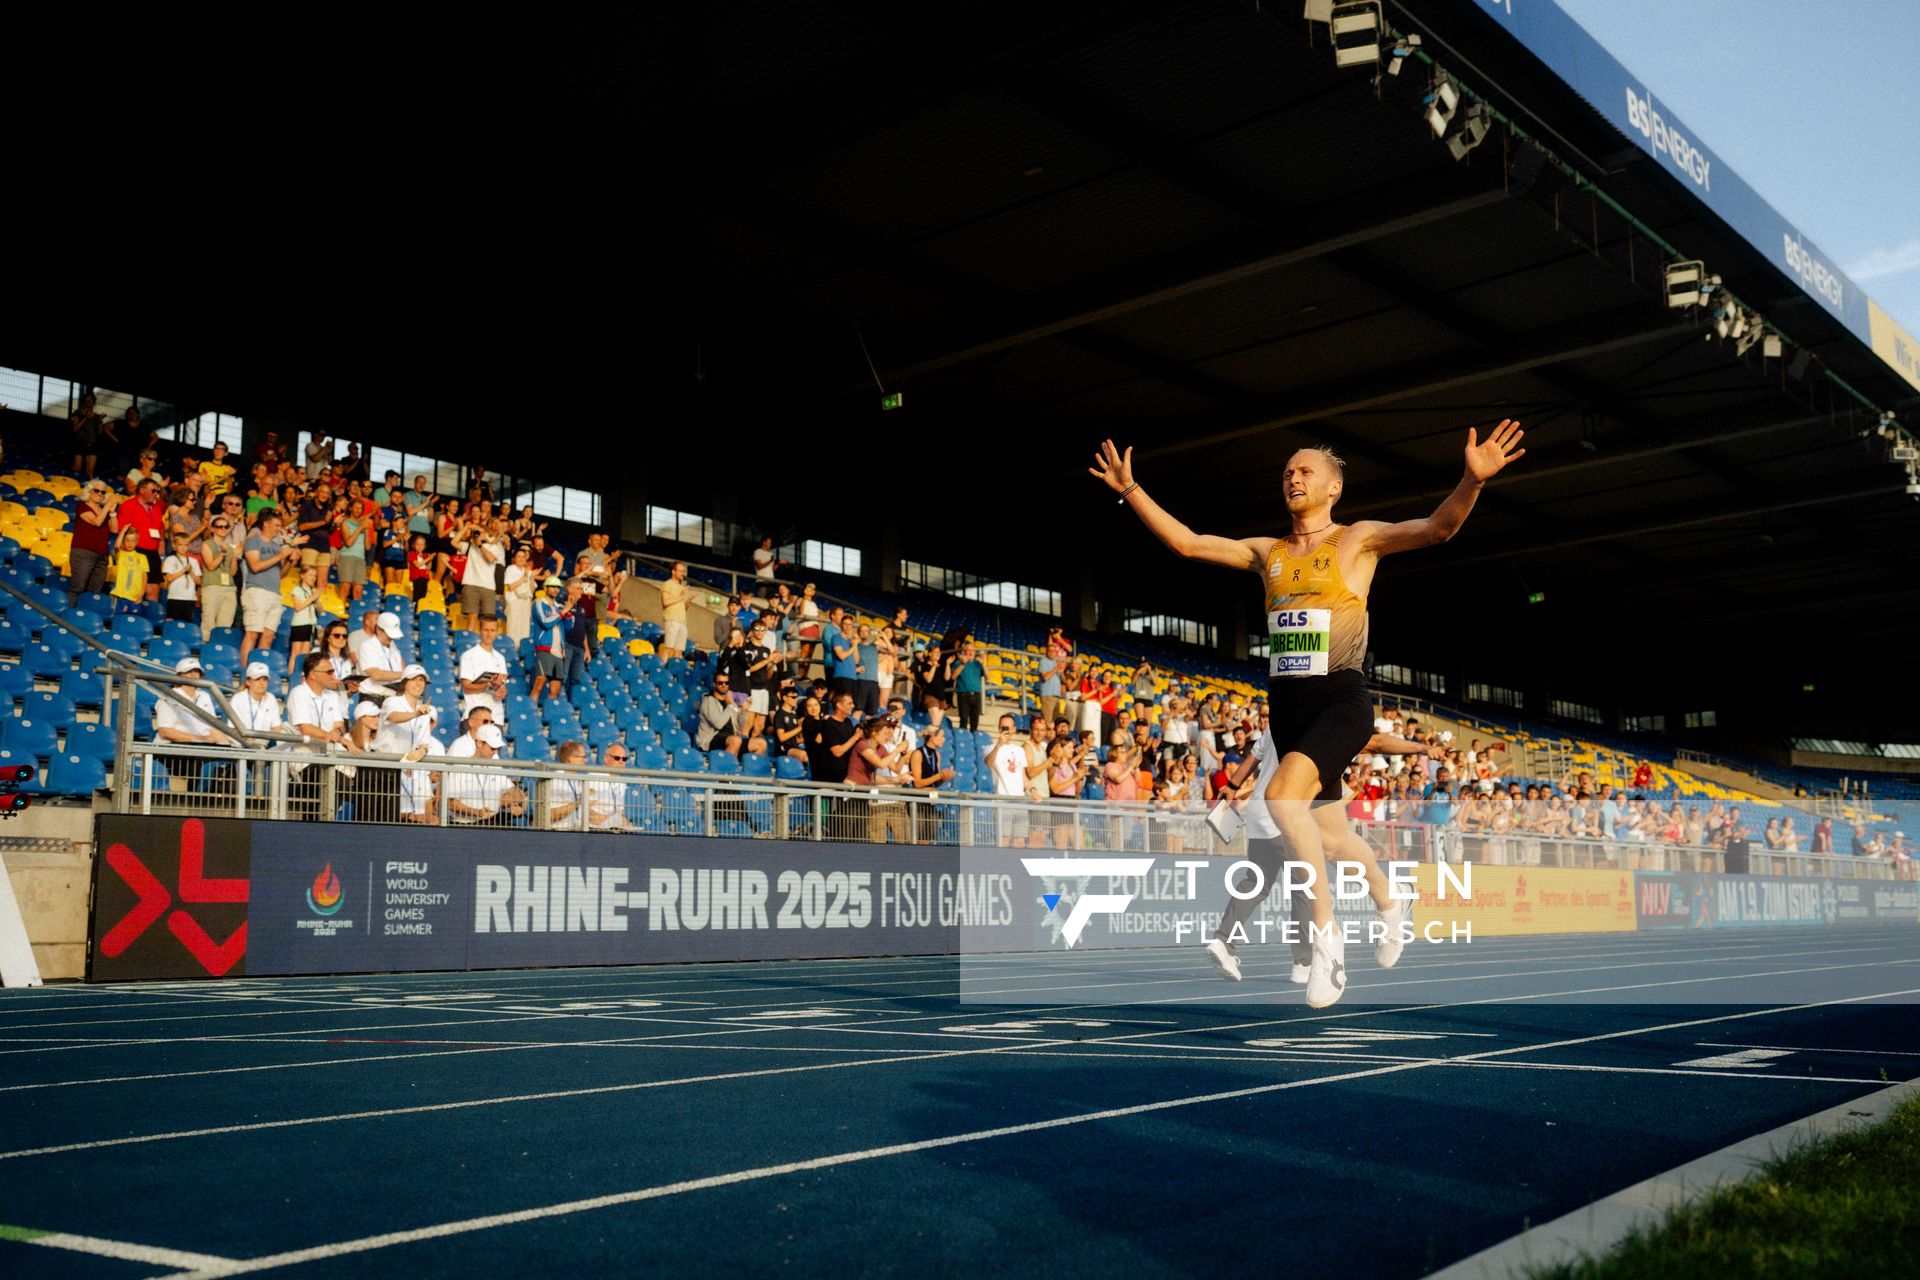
{"x": 1115, "y": 470}
{"x": 1485, "y": 459}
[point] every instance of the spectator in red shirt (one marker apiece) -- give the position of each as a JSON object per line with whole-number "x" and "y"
{"x": 92, "y": 541}
{"x": 146, "y": 516}
{"x": 1643, "y": 776}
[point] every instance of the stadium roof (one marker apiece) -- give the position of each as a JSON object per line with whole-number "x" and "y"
{"x": 1178, "y": 224}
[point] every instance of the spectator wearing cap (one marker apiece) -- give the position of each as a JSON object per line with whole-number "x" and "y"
{"x": 484, "y": 796}
{"x": 255, "y": 708}
{"x": 174, "y": 723}
{"x": 376, "y": 652}
{"x": 551, "y": 613}
{"x": 92, "y": 545}
{"x": 483, "y": 672}
{"x": 260, "y": 568}
{"x": 406, "y": 718}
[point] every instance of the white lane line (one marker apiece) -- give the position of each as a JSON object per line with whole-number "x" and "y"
{"x": 1790, "y": 1048}
{"x": 124, "y": 1250}
{"x": 1750, "y": 1059}
{"x": 487, "y": 1222}
{"x": 550, "y": 1095}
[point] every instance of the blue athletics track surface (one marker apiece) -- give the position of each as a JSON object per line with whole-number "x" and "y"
{"x": 855, "y": 1118}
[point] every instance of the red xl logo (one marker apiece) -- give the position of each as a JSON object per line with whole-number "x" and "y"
{"x": 215, "y": 958}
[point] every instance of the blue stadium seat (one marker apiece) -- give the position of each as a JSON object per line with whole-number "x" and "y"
{"x": 755, "y": 765}
{"x": 84, "y": 689}
{"x": 722, "y": 762}
{"x": 44, "y": 662}
{"x": 15, "y": 682}
{"x": 185, "y": 633}
{"x": 229, "y": 636}
{"x": 643, "y": 809}
{"x": 65, "y": 642}
{"x": 133, "y": 627}
{"x": 685, "y": 760}
{"x": 26, "y": 737}
{"x": 651, "y": 756}
{"x": 52, "y": 708}
{"x": 119, "y": 643}
{"x": 94, "y": 741}
{"x": 167, "y": 652}
{"x": 788, "y": 769}
{"x": 14, "y": 638}
{"x": 69, "y": 775}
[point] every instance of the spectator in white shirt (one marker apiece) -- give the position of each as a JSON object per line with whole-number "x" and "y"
{"x": 484, "y": 796}
{"x": 319, "y": 455}
{"x": 174, "y": 723}
{"x": 477, "y": 719}
{"x": 416, "y": 787}
{"x": 767, "y": 561}
{"x": 254, "y": 708}
{"x": 180, "y": 574}
{"x": 376, "y": 652}
{"x": 567, "y": 794}
{"x": 406, "y": 718}
{"x": 317, "y": 712}
{"x": 480, "y": 578}
{"x": 483, "y": 672}
{"x": 607, "y": 797}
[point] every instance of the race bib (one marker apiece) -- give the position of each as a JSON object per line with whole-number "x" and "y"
{"x": 1298, "y": 641}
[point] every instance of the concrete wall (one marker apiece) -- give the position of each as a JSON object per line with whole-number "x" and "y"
{"x": 50, "y": 879}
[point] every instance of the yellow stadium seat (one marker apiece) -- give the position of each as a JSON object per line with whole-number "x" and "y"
{"x": 22, "y": 478}
{"x": 48, "y": 517}
{"x": 14, "y": 511}
{"x": 608, "y": 632}
{"x": 62, "y": 486}
{"x": 639, "y": 648}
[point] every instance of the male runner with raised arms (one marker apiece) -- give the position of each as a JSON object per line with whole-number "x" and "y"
{"x": 1316, "y": 580}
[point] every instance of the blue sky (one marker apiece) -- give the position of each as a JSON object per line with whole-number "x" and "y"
{"x": 1814, "y": 102}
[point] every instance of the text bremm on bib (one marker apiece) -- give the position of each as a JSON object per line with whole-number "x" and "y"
{"x": 1299, "y": 640}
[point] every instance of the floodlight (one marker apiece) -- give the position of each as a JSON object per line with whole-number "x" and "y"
{"x": 1771, "y": 346}
{"x": 1472, "y": 132}
{"x": 1402, "y": 50}
{"x": 1356, "y": 33}
{"x": 1684, "y": 280}
{"x": 1442, "y": 101}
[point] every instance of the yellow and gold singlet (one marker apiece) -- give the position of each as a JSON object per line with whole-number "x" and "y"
{"x": 1315, "y": 622}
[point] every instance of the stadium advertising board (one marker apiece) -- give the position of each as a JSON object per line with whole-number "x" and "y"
{"x": 197, "y": 898}
{"x": 1596, "y": 75}
{"x": 1666, "y": 900}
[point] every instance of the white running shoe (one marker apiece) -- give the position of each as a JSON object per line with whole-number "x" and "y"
{"x": 1299, "y": 975}
{"x": 1327, "y": 975}
{"x": 1223, "y": 959}
{"x": 1397, "y": 917}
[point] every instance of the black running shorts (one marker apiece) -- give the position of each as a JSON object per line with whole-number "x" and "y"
{"x": 1327, "y": 719}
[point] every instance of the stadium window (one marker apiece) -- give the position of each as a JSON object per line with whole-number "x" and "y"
{"x": 1702, "y": 719}
{"x": 1392, "y": 673}
{"x": 1494, "y": 694}
{"x": 830, "y": 557}
{"x": 1577, "y": 711}
{"x": 1646, "y": 724}
{"x": 1430, "y": 682}
{"x": 1008, "y": 595}
{"x": 557, "y": 502}
{"x": 1168, "y": 627}
{"x": 679, "y": 526}
{"x": 1261, "y": 648}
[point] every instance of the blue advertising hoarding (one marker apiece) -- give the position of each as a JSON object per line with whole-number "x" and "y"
{"x": 1551, "y": 35}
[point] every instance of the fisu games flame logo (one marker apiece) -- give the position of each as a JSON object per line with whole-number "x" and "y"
{"x": 325, "y": 896}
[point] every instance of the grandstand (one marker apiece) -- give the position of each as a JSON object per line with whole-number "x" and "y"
{"x": 838, "y": 300}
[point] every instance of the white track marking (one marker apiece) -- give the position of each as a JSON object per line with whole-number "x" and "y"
{"x": 1800, "y": 1048}
{"x": 487, "y": 1222}
{"x": 636, "y": 1086}
{"x": 125, "y": 1251}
